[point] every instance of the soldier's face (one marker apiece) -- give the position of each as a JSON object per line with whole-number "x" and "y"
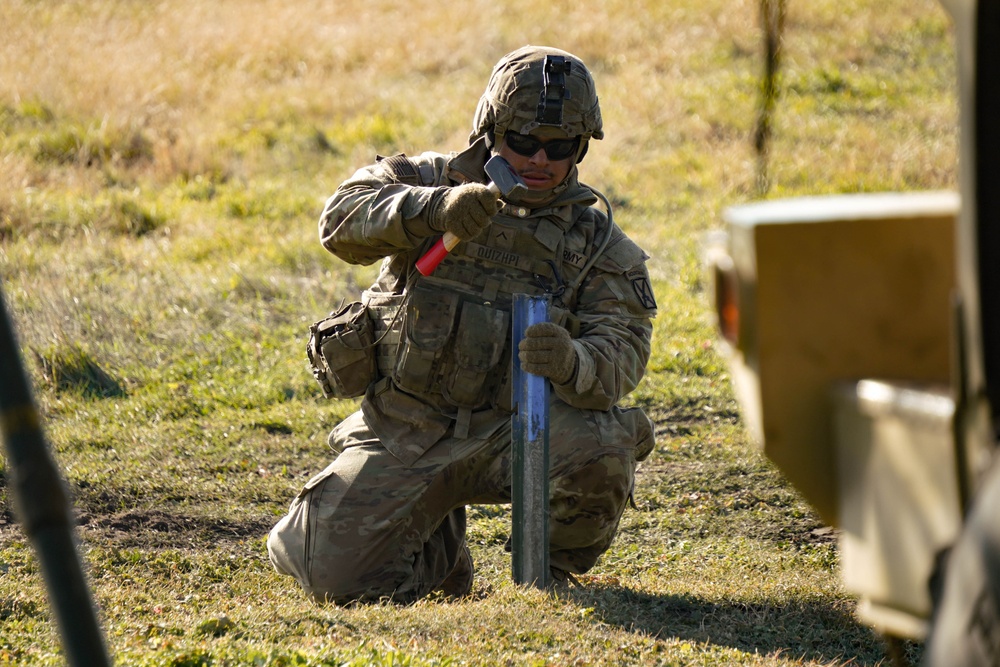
{"x": 538, "y": 170}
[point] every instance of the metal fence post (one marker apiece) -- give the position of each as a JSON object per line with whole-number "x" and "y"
{"x": 530, "y": 456}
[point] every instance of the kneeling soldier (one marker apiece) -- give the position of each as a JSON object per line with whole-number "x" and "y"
{"x": 433, "y": 433}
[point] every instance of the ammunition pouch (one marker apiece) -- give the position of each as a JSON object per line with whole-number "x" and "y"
{"x": 454, "y": 347}
{"x": 341, "y": 351}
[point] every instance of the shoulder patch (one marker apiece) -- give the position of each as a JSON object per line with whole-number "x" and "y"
{"x": 624, "y": 257}
{"x": 399, "y": 168}
{"x": 643, "y": 288}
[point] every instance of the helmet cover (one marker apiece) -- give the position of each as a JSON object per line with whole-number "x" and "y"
{"x": 542, "y": 90}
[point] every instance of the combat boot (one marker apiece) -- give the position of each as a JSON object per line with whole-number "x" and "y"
{"x": 562, "y": 579}
{"x": 458, "y": 584}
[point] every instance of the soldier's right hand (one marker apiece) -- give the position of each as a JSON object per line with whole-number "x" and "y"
{"x": 464, "y": 210}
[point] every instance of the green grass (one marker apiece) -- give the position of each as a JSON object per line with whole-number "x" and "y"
{"x": 163, "y": 171}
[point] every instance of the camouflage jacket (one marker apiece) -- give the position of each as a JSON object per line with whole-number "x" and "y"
{"x": 444, "y": 352}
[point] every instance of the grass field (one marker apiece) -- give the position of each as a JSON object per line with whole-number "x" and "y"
{"x": 163, "y": 168}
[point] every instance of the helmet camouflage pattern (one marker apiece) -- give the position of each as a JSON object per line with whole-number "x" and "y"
{"x": 542, "y": 90}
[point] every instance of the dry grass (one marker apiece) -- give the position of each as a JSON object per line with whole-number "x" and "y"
{"x": 163, "y": 165}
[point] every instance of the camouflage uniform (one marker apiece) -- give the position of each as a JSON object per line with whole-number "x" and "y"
{"x": 387, "y": 516}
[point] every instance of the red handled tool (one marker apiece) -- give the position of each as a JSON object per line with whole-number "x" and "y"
{"x": 504, "y": 182}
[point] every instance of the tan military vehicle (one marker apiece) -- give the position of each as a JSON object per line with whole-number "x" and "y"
{"x": 862, "y": 334}
{"x": 835, "y": 313}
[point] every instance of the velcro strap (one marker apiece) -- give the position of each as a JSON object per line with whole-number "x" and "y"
{"x": 462, "y": 423}
{"x": 426, "y": 174}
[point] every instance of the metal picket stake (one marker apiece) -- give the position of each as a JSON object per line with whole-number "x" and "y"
{"x": 530, "y": 456}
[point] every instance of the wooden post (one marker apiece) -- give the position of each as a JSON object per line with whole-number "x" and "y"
{"x": 42, "y": 506}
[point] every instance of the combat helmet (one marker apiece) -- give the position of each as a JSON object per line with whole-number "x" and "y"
{"x": 539, "y": 88}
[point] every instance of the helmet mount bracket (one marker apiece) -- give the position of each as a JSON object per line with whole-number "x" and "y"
{"x": 550, "y": 99}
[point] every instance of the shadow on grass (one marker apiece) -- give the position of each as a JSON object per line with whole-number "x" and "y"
{"x": 813, "y": 630}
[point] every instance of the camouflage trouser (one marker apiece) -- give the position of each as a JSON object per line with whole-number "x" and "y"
{"x": 370, "y": 527}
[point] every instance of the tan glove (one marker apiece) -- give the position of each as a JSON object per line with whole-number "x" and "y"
{"x": 464, "y": 210}
{"x": 547, "y": 350}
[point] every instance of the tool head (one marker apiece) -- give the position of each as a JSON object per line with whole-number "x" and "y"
{"x": 508, "y": 183}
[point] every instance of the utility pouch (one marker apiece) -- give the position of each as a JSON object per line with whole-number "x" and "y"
{"x": 427, "y": 326}
{"x": 341, "y": 352}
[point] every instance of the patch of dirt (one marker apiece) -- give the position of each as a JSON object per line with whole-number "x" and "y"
{"x": 158, "y": 529}
{"x": 821, "y": 535}
{"x": 684, "y": 419}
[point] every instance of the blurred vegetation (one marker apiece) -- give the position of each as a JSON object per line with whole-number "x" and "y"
{"x": 164, "y": 165}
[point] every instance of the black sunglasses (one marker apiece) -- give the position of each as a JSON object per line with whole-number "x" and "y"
{"x": 555, "y": 149}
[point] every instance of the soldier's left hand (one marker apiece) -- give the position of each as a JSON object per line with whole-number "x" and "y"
{"x": 547, "y": 350}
